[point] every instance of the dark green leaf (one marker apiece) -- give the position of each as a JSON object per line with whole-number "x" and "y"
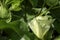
{"x": 57, "y": 38}
{"x": 34, "y": 2}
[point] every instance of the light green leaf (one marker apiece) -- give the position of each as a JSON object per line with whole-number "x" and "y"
{"x": 15, "y": 6}
{"x": 37, "y": 10}
{"x": 5, "y": 14}
{"x": 7, "y": 1}
{"x": 40, "y": 25}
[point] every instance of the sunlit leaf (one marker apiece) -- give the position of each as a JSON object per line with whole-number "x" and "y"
{"x": 40, "y": 25}
{"x": 5, "y": 14}
{"x": 16, "y": 5}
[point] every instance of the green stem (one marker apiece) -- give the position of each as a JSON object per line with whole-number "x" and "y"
{"x": 41, "y": 9}
{"x": 42, "y": 6}
{"x": 46, "y": 11}
{"x": 16, "y": 16}
{"x": 56, "y": 7}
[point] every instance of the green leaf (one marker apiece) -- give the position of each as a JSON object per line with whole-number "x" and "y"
{"x": 7, "y": 1}
{"x": 14, "y": 36}
{"x": 57, "y": 38}
{"x": 59, "y": 2}
{"x": 11, "y": 34}
{"x": 15, "y": 29}
{"x": 37, "y": 10}
{"x": 57, "y": 26}
{"x": 25, "y": 37}
{"x": 3, "y": 38}
{"x": 56, "y": 14}
{"x": 3, "y": 25}
{"x": 34, "y": 2}
{"x": 51, "y": 2}
{"x": 15, "y": 25}
{"x": 18, "y": 25}
{"x": 44, "y": 11}
{"x": 40, "y": 25}
{"x": 23, "y": 25}
{"x": 30, "y": 17}
{"x": 49, "y": 34}
{"x": 3, "y": 12}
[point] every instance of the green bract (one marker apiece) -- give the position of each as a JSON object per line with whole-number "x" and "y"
{"x": 16, "y": 5}
{"x": 5, "y": 14}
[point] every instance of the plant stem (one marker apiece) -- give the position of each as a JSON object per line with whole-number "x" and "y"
{"x": 42, "y": 6}
{"x": 41, "y": 9}
{"x": 56, "y": 7}
{"x": 46, "y": 11}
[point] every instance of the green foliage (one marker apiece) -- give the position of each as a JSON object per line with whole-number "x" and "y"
{"x": 29, "y": 20}
{"x": 16, "y": 5}
{"x": 51, "y": 2}
{"x": 58, "y": 38}
{"x": 34, "y": 2}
